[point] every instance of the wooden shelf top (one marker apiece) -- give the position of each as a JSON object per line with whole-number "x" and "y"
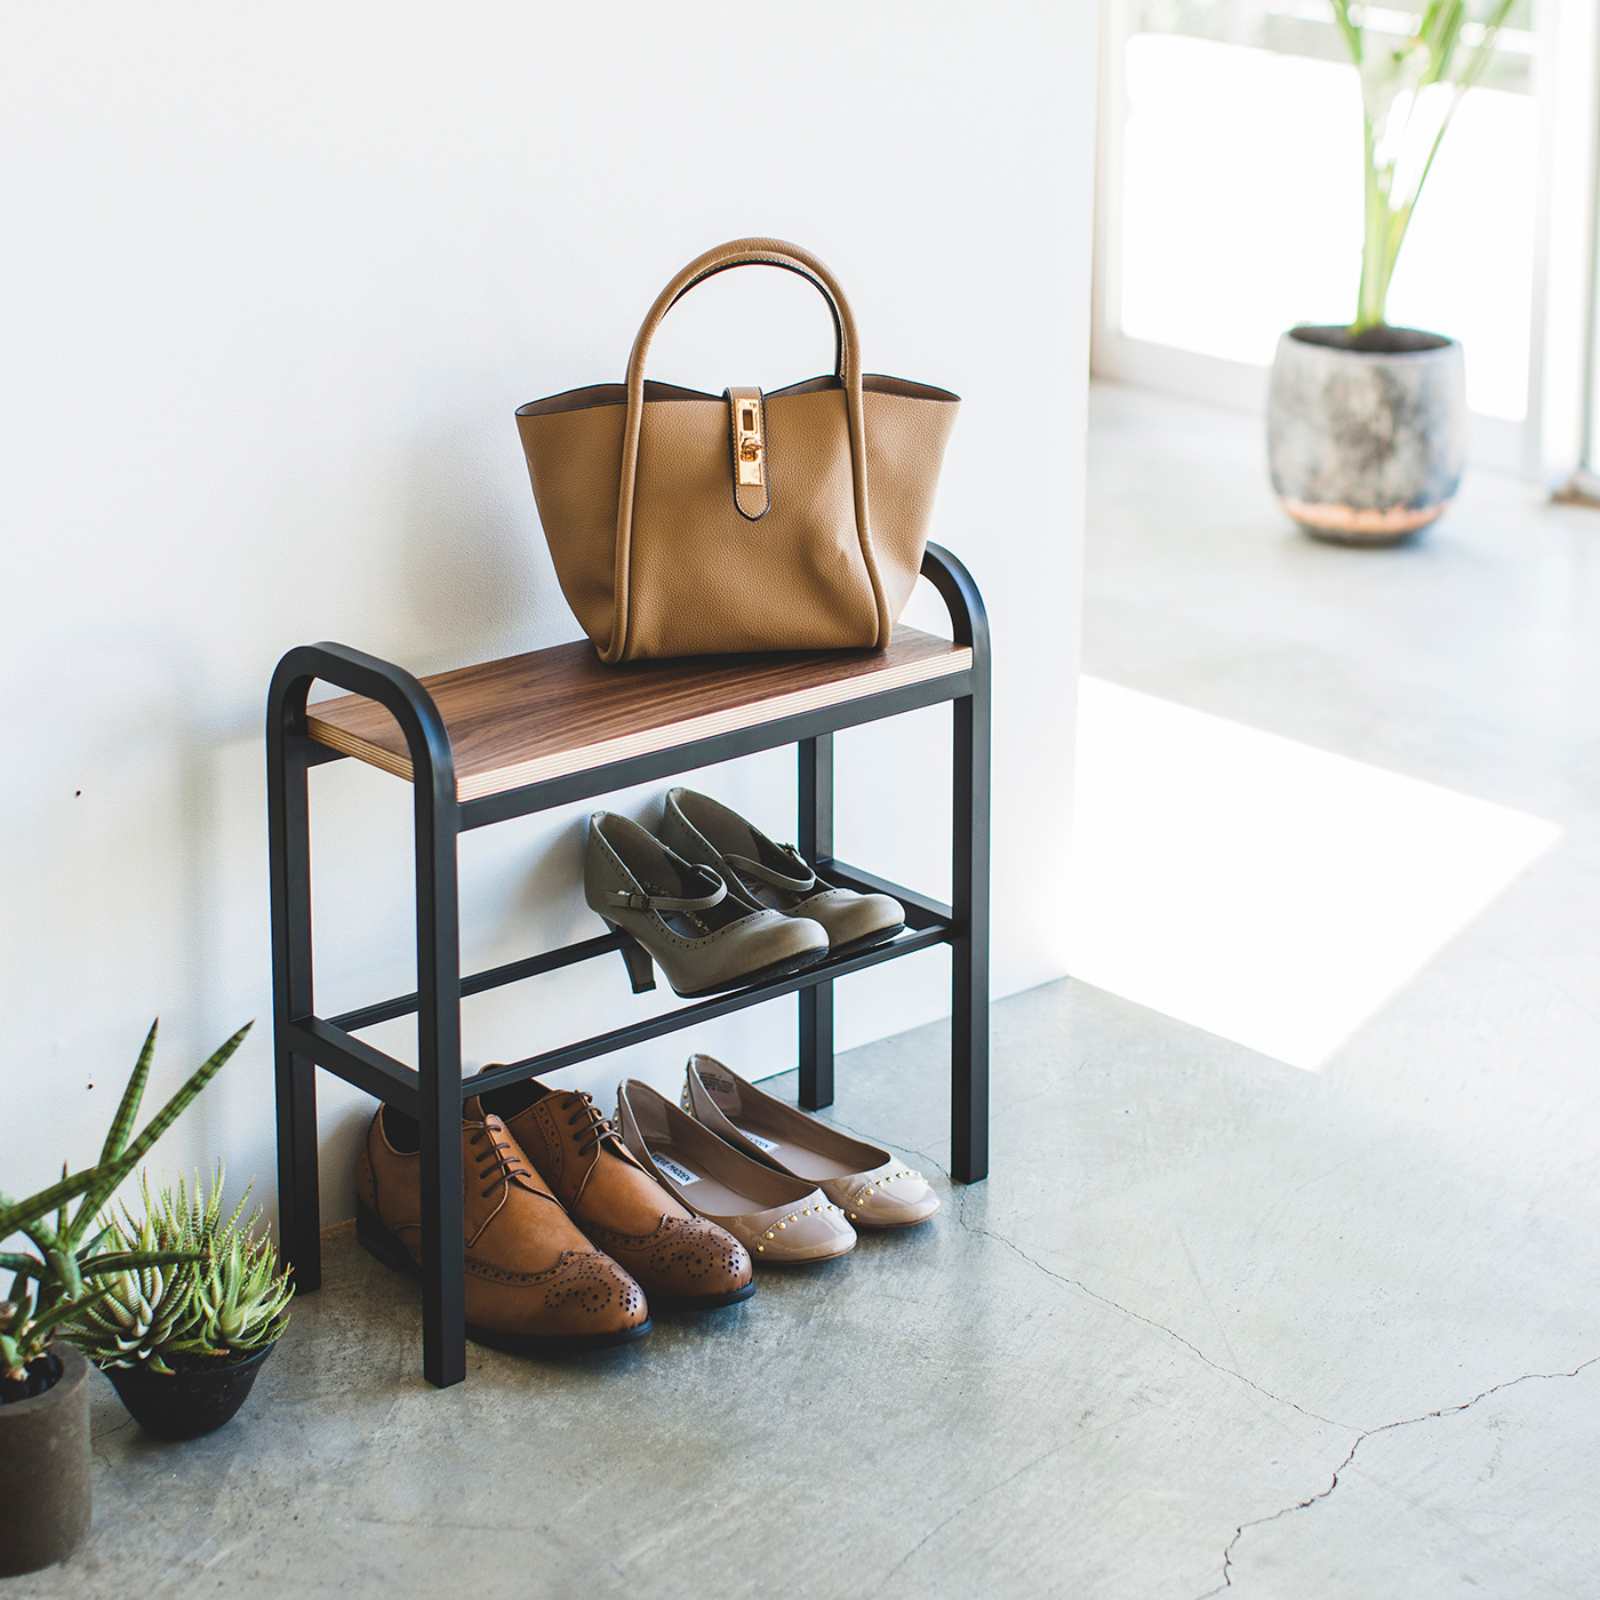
{"x": 552, "y": 713}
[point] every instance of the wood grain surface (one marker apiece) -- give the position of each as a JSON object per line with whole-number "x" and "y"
{"x": 553, "y": 712}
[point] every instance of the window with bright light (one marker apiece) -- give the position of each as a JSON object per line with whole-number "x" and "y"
{"x": 1238, "y": 210}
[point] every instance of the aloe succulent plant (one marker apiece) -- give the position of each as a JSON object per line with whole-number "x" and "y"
{"x": 225, "y": 1297}
{"x": 73, "y": 1250}
{"x": 1411, "y": 87}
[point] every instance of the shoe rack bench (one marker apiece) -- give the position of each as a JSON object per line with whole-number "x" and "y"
{"x": 484, "y": 744}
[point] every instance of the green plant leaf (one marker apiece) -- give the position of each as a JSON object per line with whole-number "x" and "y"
{"x": 56, "y": 1315}
{"x": 137, "y": 1260}
{"x": 110, "y": 1177}
{"x": 132, "y": 1097}
{"x": 1410, "y": 94}
{"x": 17, "y": 1213}
{"x": 220, "y": 1291}
{"x": 126, "y": 1115}
{"x": 62, "y": 1273}
{"x": 1348, "y": 28}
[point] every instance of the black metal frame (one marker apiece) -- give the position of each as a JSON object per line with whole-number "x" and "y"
{"x": 434, "y": 1091}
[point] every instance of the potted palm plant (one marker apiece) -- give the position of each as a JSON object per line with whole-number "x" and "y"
{"x": 183, "y": 1330}
{"x": 44, "y": 1392}
{"x": 1366, "y": 422}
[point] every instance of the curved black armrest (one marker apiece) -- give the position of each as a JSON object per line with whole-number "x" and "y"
{"x": 433, "y": 767}
{"x": 968, "y": 618}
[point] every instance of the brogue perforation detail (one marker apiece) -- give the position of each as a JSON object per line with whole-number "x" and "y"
{"x": 591, "y": 1283}
{"x": 679, "y": 1248}
{"x": 493, "y": 1274}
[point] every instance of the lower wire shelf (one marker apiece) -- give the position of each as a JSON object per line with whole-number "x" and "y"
{"x": 697, "y": 1011}
{"x": 928, "y": 923}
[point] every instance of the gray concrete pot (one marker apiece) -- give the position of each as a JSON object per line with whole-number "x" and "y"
{"x": 1366, "y": 437}
{"x": 44, "y": 1470}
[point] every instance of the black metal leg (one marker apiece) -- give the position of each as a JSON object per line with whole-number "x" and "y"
{"x": 289, "y": 849}
{"x": 816, "y": 843}
{"x": 969, "y": 944}
{"x": 438, "y": 1103}
{"x": 969, "y": 951}
{"x": 444, "y": 1353}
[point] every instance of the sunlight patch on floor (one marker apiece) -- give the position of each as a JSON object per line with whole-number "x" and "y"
{"x": 1266, "y": 891}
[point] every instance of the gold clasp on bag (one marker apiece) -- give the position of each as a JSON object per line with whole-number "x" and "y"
{"x": 750, "y": 447}
{"x": 747, "y": 421}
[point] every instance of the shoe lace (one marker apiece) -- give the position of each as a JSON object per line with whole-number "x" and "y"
{"x": 497, "y": 1156}
{"x": 595, "y": 1128}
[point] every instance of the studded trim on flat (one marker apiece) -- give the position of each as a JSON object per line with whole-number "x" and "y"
{"x": 868, "y": 1198}
{"x": 781, "y": 1224}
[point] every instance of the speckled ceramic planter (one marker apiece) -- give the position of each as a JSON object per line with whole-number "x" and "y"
{"x": 1366, "y": 436}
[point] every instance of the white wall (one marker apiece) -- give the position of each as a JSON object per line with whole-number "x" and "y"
{"x": 274, "y": 283}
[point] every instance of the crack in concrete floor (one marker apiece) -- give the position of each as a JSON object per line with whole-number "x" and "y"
{"x": 1299, "y": 1505}
{"x": 1149, "y": 1322}
{"x": 1369, "y": 1433}
{"x": 962, "y": 1194}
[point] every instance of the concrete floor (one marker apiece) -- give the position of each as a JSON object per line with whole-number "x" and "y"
{"x": 1216, "y": 1322}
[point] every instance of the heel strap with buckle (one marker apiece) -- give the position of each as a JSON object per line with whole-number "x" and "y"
{"x": 669, "y": 902}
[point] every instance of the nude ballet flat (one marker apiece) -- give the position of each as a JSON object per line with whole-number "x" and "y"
{"x": 765, "y": 875}
{"x": 873, "y": 1189}
{"x": 779, "y": 1219}
{"x": 681, "y": 916}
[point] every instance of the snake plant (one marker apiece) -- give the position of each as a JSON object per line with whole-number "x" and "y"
{"x": 226, "y": 1297}
{"x": 1410, "y": 90}
{"x": 74, "y": 1251}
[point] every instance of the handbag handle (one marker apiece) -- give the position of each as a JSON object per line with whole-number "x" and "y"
{"x": 847, "y": 367}
{"x": 755, "y": 253}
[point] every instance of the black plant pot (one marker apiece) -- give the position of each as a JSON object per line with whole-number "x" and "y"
{"x": 197, "y": 1398}
{"x": 44, "y": 1470}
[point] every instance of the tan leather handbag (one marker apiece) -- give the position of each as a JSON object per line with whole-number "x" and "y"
{"x": 681, "y": 523}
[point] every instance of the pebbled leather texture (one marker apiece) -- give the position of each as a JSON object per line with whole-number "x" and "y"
{"x": 657, "y": 558}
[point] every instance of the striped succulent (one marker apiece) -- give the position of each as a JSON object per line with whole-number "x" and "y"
{"x": 226, "y": 1298}
{"x": 140, "y": 1311}
{"x": 55, "y": 1281}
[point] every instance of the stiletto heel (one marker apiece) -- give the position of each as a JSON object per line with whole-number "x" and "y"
{"x": 641, "y": 969}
